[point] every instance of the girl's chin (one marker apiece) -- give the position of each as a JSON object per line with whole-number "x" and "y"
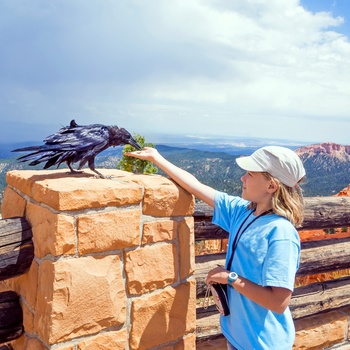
{"x": 245, "y": 196}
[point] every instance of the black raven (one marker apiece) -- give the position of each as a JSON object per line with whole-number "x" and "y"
{"x": 77, "y": 144}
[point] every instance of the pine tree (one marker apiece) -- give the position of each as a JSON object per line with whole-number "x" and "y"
{"x": 134, "y": 165}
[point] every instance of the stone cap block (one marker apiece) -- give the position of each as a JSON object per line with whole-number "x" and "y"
{"x": 163, "y": 197}
{"x": 62, "y": 191}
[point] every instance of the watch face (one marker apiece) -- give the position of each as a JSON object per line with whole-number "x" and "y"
{"x": 233, "y": 276}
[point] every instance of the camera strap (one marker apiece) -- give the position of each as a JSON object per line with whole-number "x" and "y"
{"x": 240, "y": 233}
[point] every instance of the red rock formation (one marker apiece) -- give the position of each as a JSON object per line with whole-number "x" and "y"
{"x": 332, "y": 149}
{"x": 344, "y": 192}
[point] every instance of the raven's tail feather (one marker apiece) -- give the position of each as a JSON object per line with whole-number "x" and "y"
{"x": 52, "y": 161}
{"x": 27, "y": 149}
{"x": 35, "y": 158}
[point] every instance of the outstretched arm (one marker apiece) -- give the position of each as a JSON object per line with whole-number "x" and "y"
{"x": 180, "y": 176}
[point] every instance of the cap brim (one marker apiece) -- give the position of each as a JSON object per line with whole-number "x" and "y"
{"x": 249, "y": 164}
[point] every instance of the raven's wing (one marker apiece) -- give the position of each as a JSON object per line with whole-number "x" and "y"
{"x": 78, "y": 138}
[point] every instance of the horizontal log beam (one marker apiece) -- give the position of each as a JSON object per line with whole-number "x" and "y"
{"x": 6, "y": 347}
{"x": 14, "y": 230}
{"x": 207, "y": 323}
{"x": 16, "y": 247}
{"x": 11, "y": 317}
{"x": 326, "y": 212}
{"x": 306, "y": 301}
{"x": 324, "y": 256}
{"x": 203, "y": 264}
{"x": 320, "y": 212}
{"x": 320, "y": 296}
{"x": 206, "y": 230}
{"x": 316, "y": 257}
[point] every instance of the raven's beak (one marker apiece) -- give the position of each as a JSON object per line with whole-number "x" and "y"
{"x": 134, "y": 144}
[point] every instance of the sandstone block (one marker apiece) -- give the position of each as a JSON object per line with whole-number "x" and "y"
{"x": 162, "y": 197}
{"x": 186, "y": 250}
{"x": 62, "y": 191}
{"x": 159, "y": 231}
{"x": 26, "y": 285}
{"x": 320, "y": 331}
{"x": 150, "y": 268}
{"x": 163, "y": 316}
{"x": 12, "y": 204}
{"x": 28, "y": 319}
{"x": 116, "y": 340}
{"x": 79, "y": 297}
{"x": 27, "y": 343}
{"x": 52, "y": 233}
{"x": 108, "y": 231}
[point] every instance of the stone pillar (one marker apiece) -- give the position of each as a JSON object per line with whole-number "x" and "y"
{"x": 114, "y": 261}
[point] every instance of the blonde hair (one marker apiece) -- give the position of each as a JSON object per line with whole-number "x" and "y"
{"x": 286, "y": 201}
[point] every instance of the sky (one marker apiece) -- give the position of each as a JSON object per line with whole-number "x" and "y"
{"x": 276, "y": 69}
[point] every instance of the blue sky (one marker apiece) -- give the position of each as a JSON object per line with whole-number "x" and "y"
{"x": 276, "y": 69}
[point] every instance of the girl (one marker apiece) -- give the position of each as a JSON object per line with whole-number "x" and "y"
{"x": 263, "y": 249}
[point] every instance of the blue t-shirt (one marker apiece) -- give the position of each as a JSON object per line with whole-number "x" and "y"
{"x": 267, "y": 254}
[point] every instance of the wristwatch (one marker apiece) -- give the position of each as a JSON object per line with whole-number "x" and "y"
{"x": 231, "y": 278}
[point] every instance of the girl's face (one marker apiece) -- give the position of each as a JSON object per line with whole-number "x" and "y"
{"x": 256, "y": 187}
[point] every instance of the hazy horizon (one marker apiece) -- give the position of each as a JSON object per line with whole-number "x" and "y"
{"x": 249, "y": 68}
{"x": 183, "y": 139}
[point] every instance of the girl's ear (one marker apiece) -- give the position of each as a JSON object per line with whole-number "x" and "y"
{"x": 272, "y": 187}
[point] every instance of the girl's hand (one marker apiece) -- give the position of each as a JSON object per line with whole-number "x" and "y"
{"x": 217, "y": 275}
{"x": 148, "y": 153}
{"x": 180, "y": 176}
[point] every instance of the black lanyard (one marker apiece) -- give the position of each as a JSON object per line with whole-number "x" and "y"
{"x": 239, "y": 234}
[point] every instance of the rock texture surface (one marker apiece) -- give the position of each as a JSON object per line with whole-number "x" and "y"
{"x": 113, "y": 265}
{"x": 333, "y": 149}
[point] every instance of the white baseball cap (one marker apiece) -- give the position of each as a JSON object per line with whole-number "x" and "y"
{"x": 280, "y": 162}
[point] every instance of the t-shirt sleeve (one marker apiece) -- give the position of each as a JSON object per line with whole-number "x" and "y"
{"x": 281, "y": 264}
{"x": 226, "y": 209}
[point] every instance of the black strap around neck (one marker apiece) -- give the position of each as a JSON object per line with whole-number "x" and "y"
{"x": 239, "y": 234}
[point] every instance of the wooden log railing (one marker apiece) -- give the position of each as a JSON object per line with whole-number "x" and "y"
{"x": 16, "y": 256}
{"x": 316, "y": 257}
{"x": 16, "y": 247}
{"x": 11, "y": 317}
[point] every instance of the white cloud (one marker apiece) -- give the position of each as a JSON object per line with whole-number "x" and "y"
{"x": 241, "y": 67}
